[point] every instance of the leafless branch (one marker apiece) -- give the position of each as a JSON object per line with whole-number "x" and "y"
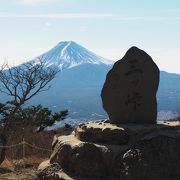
{"x": 25, "y": 81}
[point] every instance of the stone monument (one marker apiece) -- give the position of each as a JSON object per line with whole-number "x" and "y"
{"x": 129, "y": 92}
{"x": 102, "y": 150}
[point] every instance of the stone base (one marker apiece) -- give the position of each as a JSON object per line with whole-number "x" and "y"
{"x": 148, "y": 152}
{"x": 49, "y": 171}
{"x": 101, "y": 132}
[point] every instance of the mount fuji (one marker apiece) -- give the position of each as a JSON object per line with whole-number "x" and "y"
{"x": 78, "y": 85}
{"x": 68, "y": 54}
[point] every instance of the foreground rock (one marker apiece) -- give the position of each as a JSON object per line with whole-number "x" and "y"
{"x": 129, "y": 92}
{"x": 102, "y": 132}
{"x": 148, "y": 152}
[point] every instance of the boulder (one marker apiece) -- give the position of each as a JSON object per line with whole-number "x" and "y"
{"x": 151, "y": 152}
{"x": 101, "y": 132}
{"x": 157, "y": 158}
{"x": 81, "y": 158}
{"x": 129, "y": 92}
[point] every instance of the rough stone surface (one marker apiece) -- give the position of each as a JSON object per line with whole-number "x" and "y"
{"x": 81, "y": 158}
{"x": 129, "y": 92}
{"x": 53, "y": 171}
{"x": 152, "y": 152}
{"x": 156, "y": 158}
{"x": 101, "y": 132}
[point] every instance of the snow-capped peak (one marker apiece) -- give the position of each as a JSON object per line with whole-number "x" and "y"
{"x": 68, "y": 54}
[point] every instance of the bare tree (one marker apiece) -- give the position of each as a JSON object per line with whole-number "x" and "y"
{"x": 22, "y": 83}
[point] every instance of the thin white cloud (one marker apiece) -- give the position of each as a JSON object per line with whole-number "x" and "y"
{"x": 34, "y": 2}
{"x": 89, "y": 16}
{"x": 147, "y": 18}
{"x": 56, "y": 16}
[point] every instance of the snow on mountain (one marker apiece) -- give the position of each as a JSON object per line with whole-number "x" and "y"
{"x": 68, "y": 54}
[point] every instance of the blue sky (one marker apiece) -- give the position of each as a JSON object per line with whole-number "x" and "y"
{"x": 107, "y": 27}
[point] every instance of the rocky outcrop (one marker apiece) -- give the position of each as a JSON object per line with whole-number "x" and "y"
{"x": 136, "y": 152}
{"x": 100, "y": 132}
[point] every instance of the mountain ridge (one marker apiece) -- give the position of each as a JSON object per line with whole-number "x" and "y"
{"x": 69, "y": 54}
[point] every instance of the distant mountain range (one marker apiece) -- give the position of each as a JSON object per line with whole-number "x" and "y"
{"x": 77, "y": 87}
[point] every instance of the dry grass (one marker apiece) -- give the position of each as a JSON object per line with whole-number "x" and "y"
{"x": 33, "y": 157}
{"x": 41, "y": 140}
{"x": 15, "y": 165}
{"x": 17, "y": 170}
